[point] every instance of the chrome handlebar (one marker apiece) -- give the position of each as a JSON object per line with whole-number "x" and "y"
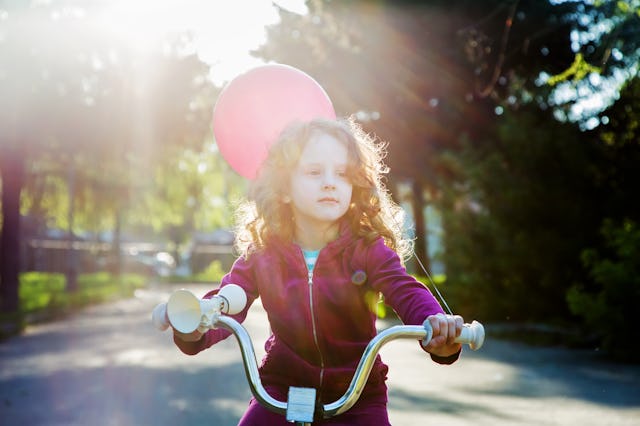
{"x": 473, "y": 334}
{"x": 186, "y": 313}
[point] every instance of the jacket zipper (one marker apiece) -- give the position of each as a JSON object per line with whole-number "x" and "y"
{"x": 313, "y": 323}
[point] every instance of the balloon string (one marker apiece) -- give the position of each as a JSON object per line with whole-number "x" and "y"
{"x": 426, "y": 272}
{"x": 433, "y": 284}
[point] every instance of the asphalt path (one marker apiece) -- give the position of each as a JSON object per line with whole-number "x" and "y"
{"x": 107, "y": 365}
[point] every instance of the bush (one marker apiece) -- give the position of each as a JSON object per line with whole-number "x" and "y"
{"x": 45, "y": 294}
{"x": 610, "y": 303}
{"x": 39, "y": 290}
{"x": 213, "y": 273}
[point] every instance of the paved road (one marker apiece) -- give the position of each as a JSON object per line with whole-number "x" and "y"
{"x": 108, "y": 366}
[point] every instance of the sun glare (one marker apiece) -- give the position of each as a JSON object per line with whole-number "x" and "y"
{"x": 222, "y": 33}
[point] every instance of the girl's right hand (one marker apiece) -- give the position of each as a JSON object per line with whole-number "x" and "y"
{"x": 445, "y": 329}
{"x": 194, "y": 336}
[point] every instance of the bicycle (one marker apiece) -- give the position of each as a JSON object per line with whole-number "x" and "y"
{"x": 186, "y": 313}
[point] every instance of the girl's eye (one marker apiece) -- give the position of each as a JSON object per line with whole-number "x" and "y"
{"x": 343, "y": 173}
{"x": 312, "y": 172}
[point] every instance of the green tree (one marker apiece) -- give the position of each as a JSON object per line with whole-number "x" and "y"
{"x": 191, "y": 190}
{"x": 493, "y": 109}
{"x": 606, "y": 48}
{"x": 615, "y": 272}
{"x": 608, "y": 297}
{"x": 515, "y": 227}
{"x": 86, "y": 110}
{"x": 541, "y": 209}
{"x": 41, "y": 85}
{"x": 426, "y": 75}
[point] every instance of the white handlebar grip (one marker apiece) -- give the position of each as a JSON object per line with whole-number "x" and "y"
{"x": 234, "y": 298}
{"x": 472, "y": 334}
{"x": 159, "y": 317}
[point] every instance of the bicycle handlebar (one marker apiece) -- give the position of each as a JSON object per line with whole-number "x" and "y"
{"x": 472, "y": 334}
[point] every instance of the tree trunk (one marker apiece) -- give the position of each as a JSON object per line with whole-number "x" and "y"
{"x": 116, "y": 249}
{"x": 420, "y": 249}
{"x": 72, "y": 254}
{"x": 12, "y": 172}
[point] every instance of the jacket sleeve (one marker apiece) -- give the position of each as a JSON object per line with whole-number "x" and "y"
{"x": 409, "y": 298}
{"x": 241, "y": 273}
{"x": 412, "y": 301}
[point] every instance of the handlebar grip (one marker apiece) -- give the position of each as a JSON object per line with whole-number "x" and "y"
{"x": 234, "y": 299}
{"x": 186, "y": 313}
{"x": 159, "y": 317}
{"x": 471, "y": 334}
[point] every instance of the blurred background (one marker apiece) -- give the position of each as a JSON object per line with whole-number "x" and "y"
{"x": 512, "y": 129}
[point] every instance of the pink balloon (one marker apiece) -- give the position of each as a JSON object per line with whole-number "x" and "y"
{"x": 254, "y": 108}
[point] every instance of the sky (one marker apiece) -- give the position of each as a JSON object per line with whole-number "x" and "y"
{"x": 224, "y": 31}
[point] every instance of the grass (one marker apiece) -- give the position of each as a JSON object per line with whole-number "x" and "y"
{"x": 212, "y": 274}
{"x": 43, "y": 296}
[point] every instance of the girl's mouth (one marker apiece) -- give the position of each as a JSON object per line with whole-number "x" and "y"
{"x": 327, "y": 200}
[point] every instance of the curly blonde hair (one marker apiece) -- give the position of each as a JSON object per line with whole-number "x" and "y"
{"x": 372, "y": 213}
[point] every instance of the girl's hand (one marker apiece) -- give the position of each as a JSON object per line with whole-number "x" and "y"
{"x": 445, "y": 330}
{"x": 194, "y": 336}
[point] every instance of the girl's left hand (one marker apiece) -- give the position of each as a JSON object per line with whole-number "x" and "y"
{"x": 445, "y": 330}
{"x": 194, "y": 336}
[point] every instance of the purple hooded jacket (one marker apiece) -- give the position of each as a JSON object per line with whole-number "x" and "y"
{"x": 321, "y": 324}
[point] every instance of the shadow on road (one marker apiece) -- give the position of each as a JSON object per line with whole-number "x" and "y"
{"x": 563, "y": 373}
{"x": 125, "y": 395}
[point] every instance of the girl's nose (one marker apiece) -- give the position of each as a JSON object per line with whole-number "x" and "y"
{"x": 328, "y": 186}
{"x": 328, "y": 182}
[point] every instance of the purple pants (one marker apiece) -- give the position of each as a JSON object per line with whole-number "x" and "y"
{"x": 372, "y": 411}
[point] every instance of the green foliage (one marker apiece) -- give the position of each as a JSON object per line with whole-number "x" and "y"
{"x": 39, "y": 290}
{"x": 46, "y": 193}
{"x": 515, "y": 229}
{"x": 212, "y": 273}
{"x": 105, "y": 123}
{"x": 607, "y": 301}
{"x": 44, "y": 294}
{"x": 578, "y": 70}
{"x": 191, "y": 190}
{"x": 610, "y": 301}
{"x": 438, "y": 279}
{"x": 522, "y": 222}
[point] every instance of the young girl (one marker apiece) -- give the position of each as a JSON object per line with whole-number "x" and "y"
{"x": 320, "y": 238}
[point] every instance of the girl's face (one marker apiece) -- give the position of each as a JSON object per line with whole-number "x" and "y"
{"x": 320, "y": 190}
